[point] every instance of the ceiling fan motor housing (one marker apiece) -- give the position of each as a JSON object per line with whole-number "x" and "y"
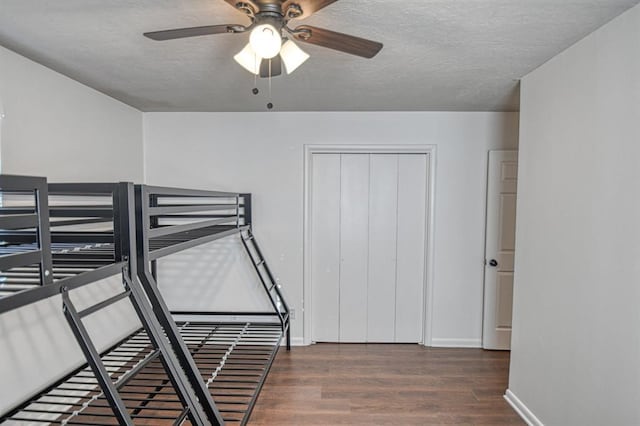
{"x": 270, "y": 18}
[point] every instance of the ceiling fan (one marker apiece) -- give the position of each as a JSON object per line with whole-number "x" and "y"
{"x": 267, "y": 52}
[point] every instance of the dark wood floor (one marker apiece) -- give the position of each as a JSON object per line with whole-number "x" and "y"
{"x": 330, "y": 384}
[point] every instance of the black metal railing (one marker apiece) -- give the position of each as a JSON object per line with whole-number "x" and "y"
{"x": 26, "y": 214}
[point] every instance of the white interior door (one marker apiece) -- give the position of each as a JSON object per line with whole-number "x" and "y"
{"x": 383, "y": 227}
{"x": 354, "y": 245}
{"x": 499, "y": 249}
{"x": 325, "y": 247}
{"x": 368, "y": 230}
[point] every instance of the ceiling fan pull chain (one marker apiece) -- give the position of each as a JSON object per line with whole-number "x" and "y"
{"x": 269, "y": 78}
{"x": 255, "y": 67}
{"x": 270, "y": 104}
{"x": 255, "y": 90}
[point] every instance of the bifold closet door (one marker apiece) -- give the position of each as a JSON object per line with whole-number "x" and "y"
{"x": 368, "y": 215}
{"x": 382, "y": 247}
{"x": 354, "y": 244}
{"x": 411, "y": 252}
{"x": 325, "y": 247}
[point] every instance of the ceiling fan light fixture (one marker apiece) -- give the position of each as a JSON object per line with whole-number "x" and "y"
{"x": 266, "y": 41}
{"x": 249, "y": 59}
{"x": 292, "y": 56}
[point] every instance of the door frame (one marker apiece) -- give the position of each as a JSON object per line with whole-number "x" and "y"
{"x": 430, "y": 152}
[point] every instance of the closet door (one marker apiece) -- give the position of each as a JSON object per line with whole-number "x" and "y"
{"x": 368, "y": 222}
{"x": 383, "y": 212}
{"x": 354, "y": 247}
{"x": 411, "y": 249}
{"x": 325, "y": 247}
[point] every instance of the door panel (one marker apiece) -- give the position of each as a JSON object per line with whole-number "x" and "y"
{"x": 325, "y": 247}
{"x": 505, "y": 300}
{"x": 354, "y": 247}
{"x": 411, "y": 255}
{"x": 368, "y": 230}
{"x": 383, "y": 210}
{"x": 500, "y": 246}
{"x": 507, "y": 238}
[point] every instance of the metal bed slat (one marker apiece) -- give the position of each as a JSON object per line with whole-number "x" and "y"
{"x": 19, "y": 221}
{"x": 178, "y": 229}
{"x": 181, "y": 192}
{"x": 188, "y": 208}
{"x": 81, "y": 211}
{"x": 148, "y": 403}
{"x": 59, "y": 237}
{"x": 166, "y": 250}
{"x": 9, "y": 261}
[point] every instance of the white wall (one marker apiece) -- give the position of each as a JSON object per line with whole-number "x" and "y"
{"x": 56, "y": 127}
{"x": 576, "y": 319}
{"x": 262, "y": 153}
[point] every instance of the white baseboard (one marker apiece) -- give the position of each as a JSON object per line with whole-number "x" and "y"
{"x": 436, "y": 343}
{"x": 295, "y": 341}
{"x": 522, "y": 409}
{"x": 456, "y": 343}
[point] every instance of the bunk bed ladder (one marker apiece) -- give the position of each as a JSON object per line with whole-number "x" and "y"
{"x": 124, "y": 252}
{"x": 161, "y": 350}
{"x": 268, "y": 281}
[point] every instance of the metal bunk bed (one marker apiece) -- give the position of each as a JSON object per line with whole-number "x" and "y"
{"x": 48, "y": 251}
{"x": 165, "y": 372}
{"x": 233, "y": 358}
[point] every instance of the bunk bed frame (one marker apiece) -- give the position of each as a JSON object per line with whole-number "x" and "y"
{"x": 39, "y": 262}
{"x": 166, "y": 372}
{"x": 233, "y": 358}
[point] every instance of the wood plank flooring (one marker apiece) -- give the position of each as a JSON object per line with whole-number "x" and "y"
{"x": 332, "y": 384}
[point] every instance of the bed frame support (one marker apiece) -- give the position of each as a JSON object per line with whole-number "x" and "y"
{"x": 148, "y": 223}
{"x": 124, "y": 224}
{"x": 268, "y": 281}
{"x": 269, "y": 284}
{"x": 162, "y": 312}
{"x": 93, "y": 358}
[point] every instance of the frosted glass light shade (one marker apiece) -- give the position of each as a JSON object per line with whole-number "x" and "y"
{"x": 266, "y": 41}
{"x": 292, "y": 56}
{"x": 249, "y": 59}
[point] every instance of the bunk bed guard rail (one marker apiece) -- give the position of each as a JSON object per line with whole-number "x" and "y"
{"x": 173, "y": 219}
{"x": 30, "y": 212}
{"x": 51, "y": 228}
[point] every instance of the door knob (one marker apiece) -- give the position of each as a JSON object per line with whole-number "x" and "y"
{"x": 493, "y": 263}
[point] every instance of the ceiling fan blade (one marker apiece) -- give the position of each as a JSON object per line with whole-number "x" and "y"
{"x": 309, "y": 7}
{"x": 276, "y": 67}
{"x": 194, "y": 32}
{"x": 337, "y": 41}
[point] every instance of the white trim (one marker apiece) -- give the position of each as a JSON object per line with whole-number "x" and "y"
{"x": 430, "y": 151}
{"x": 522, "y": 410}
{"x": 298, "y": 341}
{"x": 295, "y": 341}
{"x": 456, "y": 343}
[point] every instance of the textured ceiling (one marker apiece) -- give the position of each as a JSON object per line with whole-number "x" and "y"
{"x": 438, "y": 54}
